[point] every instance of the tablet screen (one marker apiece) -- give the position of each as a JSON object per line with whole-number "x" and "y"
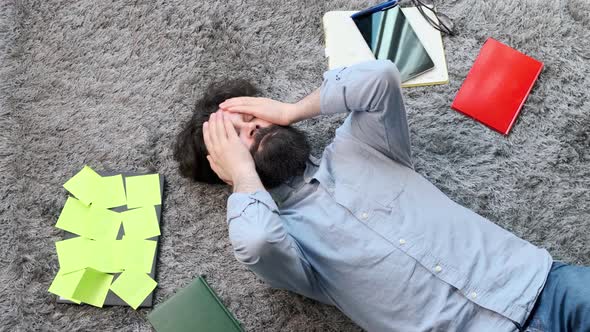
{"x": 390, "y": 36}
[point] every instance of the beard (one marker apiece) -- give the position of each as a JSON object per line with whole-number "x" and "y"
{"x": 280, "y": 153}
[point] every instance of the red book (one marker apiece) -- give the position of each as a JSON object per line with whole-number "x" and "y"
{"x": 497, "y": 85}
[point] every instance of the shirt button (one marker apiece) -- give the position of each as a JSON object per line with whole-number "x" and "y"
{"x": 473, "y": 295}
{"x": 437, "y": 268}
{"x": 364, "y": 216}
{"x": 402, "y": 241}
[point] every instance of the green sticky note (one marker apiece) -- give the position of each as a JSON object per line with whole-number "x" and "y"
{"x": 93, "y": 287}
{"x": 84, "y": 185}
{"x": 73, "y": 217}
{"x": 103, "y": 224}
{"x": 143, "y": 190}
{"x": 107, "y": 256}
{"x": 64, "y": 284}
{"x": 141, "y": 223}
{"x": 72, "y": 254}
{"x": 138, "y": 254}
{"x": 110, "y": 192}
{"x": 133, "y": 287}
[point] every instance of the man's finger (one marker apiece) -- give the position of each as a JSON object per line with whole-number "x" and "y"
{"x": 229, "y": 128}
{"x": 207, "y": 138}
{"x": 238, "y": 101}
{"x": 251, "y": 110}
{"x": 221, "y": 136}
{"x": 233, "y": 101}
{"x": 212, "y": 131}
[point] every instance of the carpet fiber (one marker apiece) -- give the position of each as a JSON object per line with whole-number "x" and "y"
{"x": 107, "y": 83}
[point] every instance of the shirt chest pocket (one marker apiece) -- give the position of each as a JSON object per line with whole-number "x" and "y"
{"x": 364, "y": 206}
{"x": 385, "y": 217}
{"x": 364, "y": 182}
{"x": 372, "y": 198}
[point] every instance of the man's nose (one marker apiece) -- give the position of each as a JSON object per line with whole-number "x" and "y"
{"x": 250, "y": 129}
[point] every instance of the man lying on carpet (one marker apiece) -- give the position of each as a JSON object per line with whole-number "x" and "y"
{"x": 359, "y": 228}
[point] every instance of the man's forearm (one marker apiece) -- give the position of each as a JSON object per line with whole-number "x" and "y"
{"x": 307, "y": 107}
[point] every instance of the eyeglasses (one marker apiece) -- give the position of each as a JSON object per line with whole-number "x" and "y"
{"x": 442, "y": 22}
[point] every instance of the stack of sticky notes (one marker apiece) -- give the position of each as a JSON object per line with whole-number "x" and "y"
{"x": 88, "y": 262}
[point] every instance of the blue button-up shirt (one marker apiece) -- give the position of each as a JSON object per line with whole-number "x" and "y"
{"x": 361, "y": 230}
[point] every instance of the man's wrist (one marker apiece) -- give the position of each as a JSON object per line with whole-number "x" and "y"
{"x": 247, "y": 181}
{"x": 307, "y": 107}
{"x": 292, "y": 112}
{"x": 298, "y": 112}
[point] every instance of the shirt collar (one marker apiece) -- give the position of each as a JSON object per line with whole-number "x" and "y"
{"x": 311, "y": 168}
{"x": 282, "y": 192}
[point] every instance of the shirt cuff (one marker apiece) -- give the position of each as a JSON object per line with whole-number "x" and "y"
{"x": 332, "y": 92}
{"x": 237, "y": 203}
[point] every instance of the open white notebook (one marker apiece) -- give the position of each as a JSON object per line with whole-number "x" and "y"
{"x": 345, "y": 45}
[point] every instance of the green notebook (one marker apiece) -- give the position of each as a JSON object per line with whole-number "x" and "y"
{"x": 192, "y": 309}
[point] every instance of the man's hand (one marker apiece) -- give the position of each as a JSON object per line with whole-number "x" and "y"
{"x": 228, "y": 156}
{"x": 267, "y": 109}
{"x": 282, "y": 114}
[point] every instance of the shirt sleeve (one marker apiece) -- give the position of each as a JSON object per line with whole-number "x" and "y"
{"x": 371, "y": 92}
{"x": 260, "y": 242}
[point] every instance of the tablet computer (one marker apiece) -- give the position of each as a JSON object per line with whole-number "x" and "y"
{"x": 390, "y": 36}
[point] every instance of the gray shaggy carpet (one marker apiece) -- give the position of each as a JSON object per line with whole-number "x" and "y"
{"x": 107, "y": 83}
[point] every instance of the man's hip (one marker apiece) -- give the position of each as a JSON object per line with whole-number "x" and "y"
{"x": 564, "y": 303}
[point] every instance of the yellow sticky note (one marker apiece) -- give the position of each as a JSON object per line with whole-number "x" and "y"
{"x": 107, "y": 256}
{"x": 84, "y": 185}
{"x": 93, "y": 287}
{"x": 133, "y": 287}
{"x": 141, "y": 223}
{"x": 103, "y": 224}
{"x": 110, "y": 192}
{"x": 64, "y": 284}
{"x": 73, "y": 217}
{"x": 138, "y": 254}
{"x": 143, "y": 190}
{"x": 72, "y": 254}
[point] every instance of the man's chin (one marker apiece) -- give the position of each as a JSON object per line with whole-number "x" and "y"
{"x": 280, "y": 153}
